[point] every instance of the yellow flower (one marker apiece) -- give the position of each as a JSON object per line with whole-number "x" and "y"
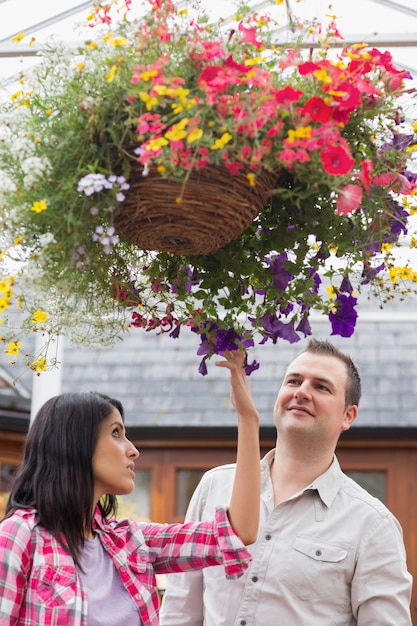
{"x": 38, "y": 207}
{"x": 304, "y": 132}
{"x": 39, "y": 317}
{"x": 332, "y": 292}
{"x": 251, "y": 178}
{"x": 150, "y": 101}
{"x": 117, "y": 42}
{"x": 195, "y": 134}
{"x": 39, "y": 365}
{"x": 175, "y": 134}
{"x": 17, "y": 38}
{"x": 221, "y": 141}
{"x": 18, "y": 240}
{"x": 156, "y": 144}
{"x": 146, "y": 76}
{"x": 111, "y": 75}
{"x": 13, "y": 348}
{"x": 322, "y": 76}
{"x": 177, "y": 131}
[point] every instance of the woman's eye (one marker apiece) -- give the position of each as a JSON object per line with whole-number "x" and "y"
{"x": 116, "y": 433}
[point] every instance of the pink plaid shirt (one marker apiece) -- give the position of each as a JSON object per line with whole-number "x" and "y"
{"x": 39, "y": 584}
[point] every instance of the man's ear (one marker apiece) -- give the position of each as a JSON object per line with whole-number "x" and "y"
{"x": 351, "y": 413}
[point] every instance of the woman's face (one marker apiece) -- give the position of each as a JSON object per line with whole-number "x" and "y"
{"x": 113, "y": 459}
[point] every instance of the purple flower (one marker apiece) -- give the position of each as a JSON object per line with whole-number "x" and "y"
{"x": 280, "y": 276}
{"x": 343, "y": 319}
{"x": 215, "y": 340}
{"x": 369, "y": 272}
{"x": 346, "y": 285}
{"x": 304, "y": 326}
{"x": 399, "y": 142}
{"x": 176, "y": 332}
{"x": 250, "y": 367}
{"x": 275, "y": 329}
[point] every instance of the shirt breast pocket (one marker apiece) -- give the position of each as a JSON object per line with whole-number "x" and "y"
{"x": 55, "y": 586}
{"x": 141, "y": 565}
{"x": 314, "y": 569}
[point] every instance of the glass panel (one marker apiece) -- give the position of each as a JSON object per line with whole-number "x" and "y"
{"x": 7, "y": 472}
{"x": 187, "y": 481}
{"x": 374, "y": 482}
{"x": 138, "y": 503}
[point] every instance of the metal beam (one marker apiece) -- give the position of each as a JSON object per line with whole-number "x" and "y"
{"x": 397, "y": 7}
{"x": 52, "y": 20}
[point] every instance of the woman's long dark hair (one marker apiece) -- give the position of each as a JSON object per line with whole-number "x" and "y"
{"x": 56, "y": 476}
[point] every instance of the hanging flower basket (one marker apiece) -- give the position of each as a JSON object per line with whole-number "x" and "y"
{"x": 197, "y": 217}
{"x": 173, "y": 173}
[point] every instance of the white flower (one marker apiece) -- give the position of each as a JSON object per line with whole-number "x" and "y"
{"x": 22, "y": 148}
{"x": 46, "y": 238}
{"x": 93, "y": 183}
{"x": 35, "y": 168}
{"x": 7, "y": 185}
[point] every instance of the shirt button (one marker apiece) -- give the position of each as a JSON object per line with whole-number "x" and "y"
{"x": 242, "y": 622}
{"x": 255, "y": 579}
{"x": 268, "y": 537}
{"x": 319, "y": 552}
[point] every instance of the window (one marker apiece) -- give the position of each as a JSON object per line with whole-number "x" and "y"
{"x": 187, "y": 480}
{"x": 138, "y": 503}
{"x": 372, "y": 481}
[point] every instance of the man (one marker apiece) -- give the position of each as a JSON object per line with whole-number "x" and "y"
{"x": 327, "y": 552}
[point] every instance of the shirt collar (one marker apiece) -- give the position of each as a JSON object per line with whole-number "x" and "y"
{"x": 327, "y": 484}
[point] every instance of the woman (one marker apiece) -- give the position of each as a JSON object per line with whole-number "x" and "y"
{"x": 64, "y": 561}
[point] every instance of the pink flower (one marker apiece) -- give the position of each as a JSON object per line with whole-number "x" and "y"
{"x": 396, "y": 182}
{"x": 349, "y": 199}
{"x": 249, "y": 36}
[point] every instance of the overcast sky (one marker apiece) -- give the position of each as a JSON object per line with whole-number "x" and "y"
{"x": 367, "y": 18}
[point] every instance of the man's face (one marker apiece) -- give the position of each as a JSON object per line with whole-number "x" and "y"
{"x": 311, "y": 400}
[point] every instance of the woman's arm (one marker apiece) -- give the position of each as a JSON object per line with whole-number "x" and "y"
{"x": 246, "y": 494}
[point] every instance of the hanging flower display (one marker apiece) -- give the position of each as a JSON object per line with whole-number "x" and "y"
{"x": 174, "y": 173}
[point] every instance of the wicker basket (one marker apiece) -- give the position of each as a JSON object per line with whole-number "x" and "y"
{"x": 215, "y": 209}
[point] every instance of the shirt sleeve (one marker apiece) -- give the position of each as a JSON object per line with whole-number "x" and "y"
{"x": 195, "y": 545}
{"x": 182, "y": 603}
{"x": 381, "y": 586}
{"x": 15, "y": 563}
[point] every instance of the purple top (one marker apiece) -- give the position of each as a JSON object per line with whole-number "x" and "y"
{"x": 109, "y": 604}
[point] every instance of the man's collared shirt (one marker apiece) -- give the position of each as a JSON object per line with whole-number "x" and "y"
{"x": 330, "y": 555}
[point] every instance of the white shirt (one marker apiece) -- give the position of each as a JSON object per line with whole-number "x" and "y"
{"x": 330, "y": 555}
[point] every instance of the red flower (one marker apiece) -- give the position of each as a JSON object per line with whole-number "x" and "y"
{"x": 365, "y": 176}
{"x": 337, "y": 160}
{"x": 350, "y": 97}
{"x": 317, "y": 109}
{"x": 288, "y": 95}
